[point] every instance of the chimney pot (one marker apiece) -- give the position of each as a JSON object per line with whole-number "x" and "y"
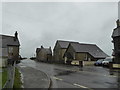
{"x": 42, "y": 46}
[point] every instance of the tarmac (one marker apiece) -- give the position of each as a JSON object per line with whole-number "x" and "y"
{"x": 33, "y": 78}
{"x": 64, "y": 76}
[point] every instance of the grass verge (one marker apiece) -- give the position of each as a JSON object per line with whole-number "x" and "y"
{"x": 17, "y": 79}
{"x": 4, "y": 76}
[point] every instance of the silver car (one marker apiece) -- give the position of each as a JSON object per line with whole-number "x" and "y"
{"x": 106, "y": 62}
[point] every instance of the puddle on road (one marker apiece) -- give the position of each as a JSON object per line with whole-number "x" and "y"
{"x": 63, "y": 72}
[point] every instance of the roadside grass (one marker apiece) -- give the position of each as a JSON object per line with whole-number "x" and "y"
{"x": 17, "y": 79}
{"x": 3, "y": 76}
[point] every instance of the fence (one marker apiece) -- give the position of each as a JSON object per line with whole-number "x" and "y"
{"x": 10, "y": 79}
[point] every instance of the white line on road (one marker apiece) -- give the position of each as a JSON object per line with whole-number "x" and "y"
{"x": 79, "y": 85}
{"x": 58, "y": 78}
{"x": 110, "y": 76}
{"x": 75, "y": 84}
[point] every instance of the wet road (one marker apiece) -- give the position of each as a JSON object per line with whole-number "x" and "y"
{"x": 64, "y": 76}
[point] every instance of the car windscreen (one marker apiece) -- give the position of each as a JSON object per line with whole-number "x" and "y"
{"x": 108, "y": 60}
{"x": 100, "y": 60}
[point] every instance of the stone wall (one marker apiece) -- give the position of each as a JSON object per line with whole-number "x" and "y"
{"x": 88, "y": 63}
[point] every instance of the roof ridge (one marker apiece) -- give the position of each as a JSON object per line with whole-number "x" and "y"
{"x": 66, "y": 41}
{"x": 46, "y": 48}
{"x": 63, "y": 40}
{"x": 86, "y": 44}
{"x": 6, "y": 35}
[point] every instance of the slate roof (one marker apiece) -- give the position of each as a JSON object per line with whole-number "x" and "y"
{"x": 116, "y": 32}
{"x": 8, "y": 40}
{"x": 3, "y": 52}
{"x": 47, "y": 50}
{"x": 64, "y": 44}
{"x": 92, "y": 49}
{"x": 37, "y": 50}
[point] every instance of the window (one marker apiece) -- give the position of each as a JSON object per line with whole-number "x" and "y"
{"x": 89, "y": 59}
{"x": 10, "y": 49}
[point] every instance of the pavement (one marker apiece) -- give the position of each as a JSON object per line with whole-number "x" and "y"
{"x": 65, "y": 76}
{"x": 33, "y": 78}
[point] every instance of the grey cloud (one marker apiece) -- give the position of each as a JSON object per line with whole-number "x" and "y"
{"x": 44, "y": 23}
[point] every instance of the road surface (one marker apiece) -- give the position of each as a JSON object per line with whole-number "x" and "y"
{"x": 65, "y": 76}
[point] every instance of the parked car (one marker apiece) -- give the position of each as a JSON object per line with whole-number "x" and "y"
{"x": 33, "y": 58}
{"x": 106, "y": 62}
{"x": 98, "y": 62}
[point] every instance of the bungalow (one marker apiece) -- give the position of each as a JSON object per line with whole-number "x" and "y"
{"x": 9, "y": 48}
{"x": 83, "y": 52}
{"x": 44, "y": 54}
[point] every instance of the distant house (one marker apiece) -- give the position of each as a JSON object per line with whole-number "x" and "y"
{"x": 9, "y": 48}
{"x": 59, "y": 50}
{"x": 44, "y": 54}
{"x": 116, "y": 42}
{"x": 83, "y": 52}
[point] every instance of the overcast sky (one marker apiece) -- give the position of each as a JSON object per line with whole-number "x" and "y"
{"x": 44, "y": 23}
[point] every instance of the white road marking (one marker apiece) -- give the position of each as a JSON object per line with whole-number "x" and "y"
{"x": 58, "y": 78}
{"x": 111, "y": 76}
{"x": 79, "y": 85}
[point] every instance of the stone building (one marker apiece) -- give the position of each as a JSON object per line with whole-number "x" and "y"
{"x": 83, "y": 52}
{"x": 68, "y": 51}
{"x": 116, "y": 42}
{"x": 44, "y": 54}
{"x": 59, "y": 50}
{"x": 9, "y": 48}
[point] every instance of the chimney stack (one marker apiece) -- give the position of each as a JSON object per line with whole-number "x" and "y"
{"x": 118, "y": 23}
{"x": 16, "y": 35}
{"x": 42, "y": 46}
{"x": 50, "y": 48}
